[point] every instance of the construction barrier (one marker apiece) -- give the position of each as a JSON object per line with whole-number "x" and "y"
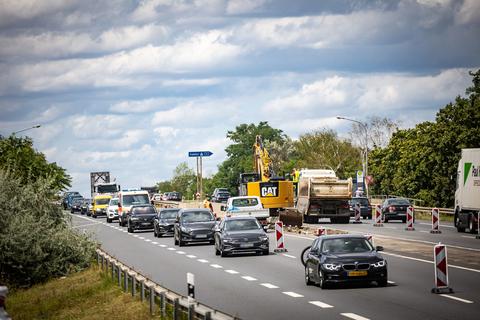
{"x": 279, "y": 239}
{"x": 410, "y": 219}
{"x": 435, "y": 221}
{"x": 441, "y": 269}
{"x": 378, "y": 216}
{"x": 357, "y": 213}
{"x": 321, "y": 231}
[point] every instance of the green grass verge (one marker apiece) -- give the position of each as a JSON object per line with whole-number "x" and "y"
{"x": 89, "y": 294}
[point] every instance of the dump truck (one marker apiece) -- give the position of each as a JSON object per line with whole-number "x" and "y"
{"x": 321, "y": 194}
{"x": 467, "y": 194}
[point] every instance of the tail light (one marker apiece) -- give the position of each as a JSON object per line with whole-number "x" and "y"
{"x": 391, "y": 208}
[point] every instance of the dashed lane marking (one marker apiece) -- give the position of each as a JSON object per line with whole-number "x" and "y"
{"x": 269, "y": 285}
{"x": 154, "y": 242}
{"x": 141, "y": 238}
{"x": 172, "y": 249}
{"x": 202, "y": 260}
{"x": 293, "y": 294}
{"x": 148, "y": 240}
{"x": 391, "y": 282}
{"x": 180, "y": 252}
{"x": 231, "y": 271}
{"x": 216, "y": 266}
{"x": 456, "y": 298}
{"x": 136, "y": 236}
{"x": 162, "y": 245}
{"x": 86, "y": 225}
{"x": 354, "y": 316}
{"x": 320, "y": 304}
{"x": 191, "y": 256}
{"x": 441, "y": 226}
{"x": 289, "y": 256}
{"x": 248, "y": 278}
{"x": 468, "y": 237}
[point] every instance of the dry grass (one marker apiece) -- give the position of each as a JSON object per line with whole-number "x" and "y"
{"x": 89, "y": 294}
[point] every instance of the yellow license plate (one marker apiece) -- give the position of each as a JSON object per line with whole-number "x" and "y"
{"x": 357, "y": 273}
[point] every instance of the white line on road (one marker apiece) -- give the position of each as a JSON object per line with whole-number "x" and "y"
{"x": 231, "y": 271}
{"x": 456, "y": 298}
{"x": 180, "y": 252}
{"x": 191, "y": 256}
{"x": 154, "y": 242}
{"x": 293, "y": 294}
{"x": 354, "y": 316}
{"x": 172, "y": 249}
{"x": 269, "y": 285}
{"x": 441, "y": 226}
{"x": 391, "y": 282}
{"x": 136, "y": 236}
{"x": 216, "y": 266}
{"x": 148, "y": 240}
{"x": 141, "y": 238}
{"x": 162, "y": 245}
{"x": 202, "y": 260}
{"x": 289, "y": 256}
{"x": 469, "y": 237}
{"x": 248, "y": 278}
{"x": 424, "y": 231}
{"x": 320, "y": 304}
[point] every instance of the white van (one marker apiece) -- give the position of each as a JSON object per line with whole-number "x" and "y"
{"x": 128, "y": 198}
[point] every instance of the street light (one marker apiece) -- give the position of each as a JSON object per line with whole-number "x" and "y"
{"x": 34, "y": 127}
{"x": 365, "y": 158}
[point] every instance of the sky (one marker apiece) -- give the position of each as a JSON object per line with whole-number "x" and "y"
{"x": 131, "y": 86}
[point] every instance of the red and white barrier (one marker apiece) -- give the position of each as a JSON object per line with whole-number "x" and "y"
{"x": 441, "y": 269}
{"x": 410, "y": 219}
{"x": 279, "y": 238}
{"x": 357, "y": 213}
{"x": 370, "y": 238}
{"x": 321, "y": 231}
{"x": 378, "y": 216}
{"x": 435, "y": 221}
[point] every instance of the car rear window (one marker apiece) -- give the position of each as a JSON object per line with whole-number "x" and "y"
{"x": 131, "y": 199}
{"x": 399, "y": 202}
{"x": 247, "y": 202}
{"x": 362, "y": 201}
{"x": 168, "y": 214}
{"x": 197, "y": 216}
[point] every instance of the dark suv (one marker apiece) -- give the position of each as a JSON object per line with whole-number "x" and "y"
{"x": 165, "y": 221}
{"x": 174, "y": 196}
{"x": 220, "y": 195}
{"x": 141, "y": 217}
{"x": 365, "y": 207}
{"x": 194, "y": 225}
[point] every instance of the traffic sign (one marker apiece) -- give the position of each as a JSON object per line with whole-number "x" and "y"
{"x": 200, "y": 153}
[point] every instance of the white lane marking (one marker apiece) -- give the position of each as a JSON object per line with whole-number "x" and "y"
{"x": 394, "y": 228}
{"x": 154, "y": 242}
{"x": 424, "y": 231}
{"x": 231, "y": 271}
{"x": 136, "y": 236}
{"x": 354, "y": 316}
{"x": 141, "y": 238}
{"x": 172, "y": 249}
{"x": 124, "y": 231}
{"x": 162, "y": 245}
{"x": 391, "y": 282}
{"x": 427, "y": 261}
{"x": 320, "y": 304}
{"x": 468, "y": 237}
{"x": 180, "y": 252}
{"x": 202, "y": 260}
{"x": 441, "y": 226}
{"x": 148, "y": 240}
{"x": 269, "y": 285}
{"x": 216, "y": 266}
{"x": 289, "y": 256}
{"x": 456, "y": 298}
{"x": 86, "y": 225}
{"x": 191, "y": 256}
{"x": 248, "y": 278}
{"x": 292, "y": 294}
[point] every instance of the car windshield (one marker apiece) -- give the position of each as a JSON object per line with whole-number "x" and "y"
{"x": 245, "y": 202}
{"x": 168, "y": 214}
{"x": 362, "y": 201}
{"x": 131, "y": 199}
{"x": 113, "y": 202}
{"x": 102, "y": 201}
{"x": 143, "y": 210}
{"x": 404, "y": 202}
{"x": 239, "y": 225}
{"x": 224, "y": 194}
{"x": 346, "y": 245}
{"x": 197, "y": 216}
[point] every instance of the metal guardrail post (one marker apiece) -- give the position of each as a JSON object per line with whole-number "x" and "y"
{"x": 134, "y": 285}
{"x": 125, "y": 280}
{"x": 98, "y": 257}
{"x": 152, "y": 300}
{"x": 191, "y": 311}
{"x": 163, "y": 305}
{"x": 119, "y": 276}
{"x": 176, "y": 309}
{"x": 208, "y": 315}
{"x": 101, "y": 261}
{"x": 112, "y": 265}
{"x": 142, "y": 290}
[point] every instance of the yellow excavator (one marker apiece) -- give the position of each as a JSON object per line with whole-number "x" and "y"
{"x": 276, "y": 193}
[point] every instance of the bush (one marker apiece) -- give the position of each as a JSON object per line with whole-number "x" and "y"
{"x": 36, "y": 241}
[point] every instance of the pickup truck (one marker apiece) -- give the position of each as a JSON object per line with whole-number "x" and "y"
{"x": 246, "y": 206}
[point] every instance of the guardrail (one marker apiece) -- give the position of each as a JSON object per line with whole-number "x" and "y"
{"x": 428, "y": 210}
{"x": 160, "y": 299}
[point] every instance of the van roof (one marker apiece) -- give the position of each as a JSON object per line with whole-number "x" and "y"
{"x": 102, "y": 196}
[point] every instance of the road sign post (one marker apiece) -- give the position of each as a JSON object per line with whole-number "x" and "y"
{"x": 199, "y": 155}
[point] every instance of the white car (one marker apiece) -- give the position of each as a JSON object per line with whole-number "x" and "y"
{"x": 112, "y": 210}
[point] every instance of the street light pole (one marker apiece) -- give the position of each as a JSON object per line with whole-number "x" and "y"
{"x": 34, "y": 127}
{"x": 365, "y": 157}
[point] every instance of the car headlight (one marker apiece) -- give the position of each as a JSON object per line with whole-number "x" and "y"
{"x": 186, "y": 230}
{"x": 331, "y": 266}
{"x": 98, "y": 210}
{"x": 227, "y": 240}
{"x": 379, "y": 264}
{"x": 263, "y": 238}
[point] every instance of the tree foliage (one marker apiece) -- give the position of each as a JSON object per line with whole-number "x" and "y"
{"x": 184, "y": 181}
{"x": 18, "y": 156}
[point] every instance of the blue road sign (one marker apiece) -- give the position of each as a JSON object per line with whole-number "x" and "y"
{"x": 200, "y": 153}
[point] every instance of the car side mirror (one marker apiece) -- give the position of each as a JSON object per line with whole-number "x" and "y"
{"x": 265, "y": 228}
{"x": 223, "y": 208}
{"x": 379, "y": 248}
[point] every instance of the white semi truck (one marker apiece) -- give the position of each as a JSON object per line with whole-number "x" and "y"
{"x": 467, "y": 194}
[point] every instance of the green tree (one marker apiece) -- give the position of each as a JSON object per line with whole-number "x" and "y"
{"x": 18, "y": 156}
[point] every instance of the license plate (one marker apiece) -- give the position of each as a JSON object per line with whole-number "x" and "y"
{"x": 146, "y": 224}
{"x": 201, "y": 236}
{"x": 357, "y": 273}
{"x": 246, "y": 245}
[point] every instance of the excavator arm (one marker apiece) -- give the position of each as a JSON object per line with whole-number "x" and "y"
{"x": 261, "y": 160}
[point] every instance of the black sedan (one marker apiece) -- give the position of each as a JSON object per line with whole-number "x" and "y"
{"x": 76, "y": 205}
{"x": 84, "y": 207}
{"x": 240, "y": 235}
{"x": 365, "y": 207}
{"x": 141, "y": 217}
{"x": 344, "y": 258}
{"x": 194, "y": 225}
{"x": 395, "y": 209}
{"x": 164, "y": 222}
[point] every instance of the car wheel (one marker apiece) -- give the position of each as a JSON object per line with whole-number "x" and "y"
{"x": 383, "y": 282}
{"x": 129, "y": 229}
{"x": 471, "y": 226}
{"x": 385, "y": 220}
{"x": 95, "y": 216}
{"x": 109, "y": 220}
{"x": 308, "y": 282}
{"x": 223, "y": 253}
{"x": 71, "y": 211}
{"x": 322, "y": 283}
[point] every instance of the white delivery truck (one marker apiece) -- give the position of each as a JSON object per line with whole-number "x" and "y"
{"x": 467, "y": 194}
{"x": 246, "y": 206}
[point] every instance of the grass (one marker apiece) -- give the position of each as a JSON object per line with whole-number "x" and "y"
{"x": 428, "y": 217}
{"x": 89, "y": 294}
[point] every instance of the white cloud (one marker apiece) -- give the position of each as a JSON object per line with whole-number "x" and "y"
{"x": 243, "y": 6}
{"x": 140, "y": 106}
{"x": 11, "y": 10}
{"x": 98, "y": 126}
{"x": 469, "y": 13}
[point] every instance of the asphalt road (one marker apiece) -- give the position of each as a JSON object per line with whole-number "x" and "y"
{"x": 272, "y": 287}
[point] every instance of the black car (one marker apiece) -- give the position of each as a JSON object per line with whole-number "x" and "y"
{"x": 365, "y": 207}
{"x": 84, "y": 206}
{"x": 395, "y": 209}
{"x": 76, "y": 205}
{"x": 240, "y": 235}
{"x": 141, "y": 217}
{"x": 220, "y": 195}
{"x": 174, "y": 196}
{"x": 344, "y": 258}
{"x": 194, "y": 225}
{"x": 164, "y": 222}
